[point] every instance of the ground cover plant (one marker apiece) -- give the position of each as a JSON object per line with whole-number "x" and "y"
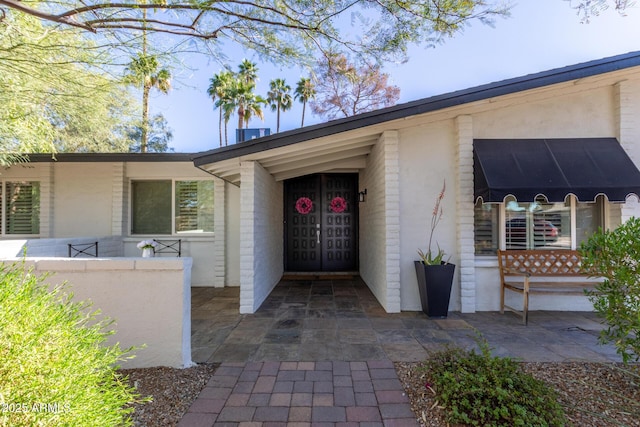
{"x": 478, "y": 389}
{"x": 56, "y": 369}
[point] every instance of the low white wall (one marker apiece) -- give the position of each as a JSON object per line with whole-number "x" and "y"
{"x": 108, "y": 247}
{"x": 148, "y": 298}
{"x": 199, "y": 248}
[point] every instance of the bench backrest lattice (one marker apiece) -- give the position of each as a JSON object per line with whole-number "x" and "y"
{"x": 541, "y": 262}
{"x": 83, "y": 249}
{"x": 168, "y": 246}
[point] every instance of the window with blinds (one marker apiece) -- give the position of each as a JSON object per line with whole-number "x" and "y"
{"x": 194, "y": 206}
{"x": 536, "y": 225}
{"x": 485, "y": 220}
{"x": 167, "y": 207}
{"x": 21, "y": 205}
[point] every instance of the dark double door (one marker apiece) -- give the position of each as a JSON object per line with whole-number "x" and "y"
{"x": 321, "y": 214}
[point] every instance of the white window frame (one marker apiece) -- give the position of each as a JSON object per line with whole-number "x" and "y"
{"x": 173, "y": 207}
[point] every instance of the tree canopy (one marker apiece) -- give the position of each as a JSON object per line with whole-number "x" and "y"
{"x": 52, "y": 100}
{"x": 344, "y": 89}
{"x": 281, "y": 30}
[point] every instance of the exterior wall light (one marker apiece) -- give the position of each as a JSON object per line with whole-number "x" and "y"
{"x": 361, "y": 195}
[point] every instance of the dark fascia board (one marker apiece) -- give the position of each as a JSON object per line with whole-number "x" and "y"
{"x": 109, "y": 157}
{"x": 425, "y": 105}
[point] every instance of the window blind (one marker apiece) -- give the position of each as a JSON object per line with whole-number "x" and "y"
{"x": 194, "y": 206}
{"x": 22, "y": 208}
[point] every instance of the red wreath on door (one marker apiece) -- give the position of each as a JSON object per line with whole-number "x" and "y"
{"x": 304, "y": 205}
{"x": 338, "y": 205}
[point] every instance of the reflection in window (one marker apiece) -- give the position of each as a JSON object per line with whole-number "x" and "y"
{"x": 485, "y": 220}
{"x": 537, "y": 225}
{"x": 151, "y": 207}
{"x": 194, "y": 206}
{"x": 589, "y": 217}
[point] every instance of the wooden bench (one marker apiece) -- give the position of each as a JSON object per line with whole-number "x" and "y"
{"x": 541, "y": 271}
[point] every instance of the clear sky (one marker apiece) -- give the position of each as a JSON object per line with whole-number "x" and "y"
{"x": 540, "y": 35}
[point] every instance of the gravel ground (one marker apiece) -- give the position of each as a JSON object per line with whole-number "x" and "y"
{"x": 172, "y": 391}
{"x": 593, "y": 394}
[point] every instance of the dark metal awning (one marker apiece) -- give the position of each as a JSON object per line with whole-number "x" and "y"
{"x": 554, "y": 168}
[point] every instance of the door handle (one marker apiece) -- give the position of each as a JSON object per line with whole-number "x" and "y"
{"x": 318, "y": 232}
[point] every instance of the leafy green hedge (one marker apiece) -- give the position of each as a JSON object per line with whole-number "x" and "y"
{"x": 481, "y": 390}
{"x": 55, "y": 369}
{"x": 615, "y": 256}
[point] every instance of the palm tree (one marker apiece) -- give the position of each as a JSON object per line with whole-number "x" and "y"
{"x": 248, "y": 71}
{"x": 279, "y": 98}
{"x": 246, "y": 102}
{"x": 143, "y": 71}
{"x": 218, "y": 90}
{"x": 305, "y": 91}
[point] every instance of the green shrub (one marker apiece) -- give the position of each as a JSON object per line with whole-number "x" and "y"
{"x": 615, "y": 256}
{"x": 54, "y": 367}
{"x": 481, "y": 390}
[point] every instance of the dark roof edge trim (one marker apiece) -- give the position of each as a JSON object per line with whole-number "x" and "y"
{"x": 109, "y": 157}
{"x": 434, "y": 103}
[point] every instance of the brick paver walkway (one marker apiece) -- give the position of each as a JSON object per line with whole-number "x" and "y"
{"x": 302, "y": 394}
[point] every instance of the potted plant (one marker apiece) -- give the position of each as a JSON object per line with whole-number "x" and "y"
{"x": 148, "y": 248}
{"x": 434, "y": 273}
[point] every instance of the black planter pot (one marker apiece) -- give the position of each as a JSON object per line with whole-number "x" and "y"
{"x": 434, "y": 284}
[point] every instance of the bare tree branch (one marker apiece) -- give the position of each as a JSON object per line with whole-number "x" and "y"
{"x": 381, "y": 27}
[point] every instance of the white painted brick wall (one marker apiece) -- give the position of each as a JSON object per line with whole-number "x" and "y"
{"x": 118, "y": 195}
{"x": 46, "y": 179}
{"x": 464, "y": 213}
{"x": 261, "y": 231}
{"x": 380, "y": 222}
{"x": 627, "y": 97}
{"x": 247, "y": 206}
{"x": 219, "y": 225}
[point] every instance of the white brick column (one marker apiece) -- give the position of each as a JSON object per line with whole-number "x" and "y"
{"x": 628, "y": 132}
{"x": 118, "y": 200}
{"x": 464, "y": 213}
{"x": 220, "y": 237}
{"x": 247, "y": 214}
{"x": 261, "y": 231}
{"x": 46, "y": 199}
{"x": 389, "y": 141}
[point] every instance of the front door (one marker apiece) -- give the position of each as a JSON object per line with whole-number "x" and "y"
{"x": 321, "y": 214}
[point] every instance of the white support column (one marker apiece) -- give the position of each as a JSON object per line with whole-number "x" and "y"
{"x": 119, "y": 200}
{"x": 464, "y": 213}
{"x": 628, "y": 130}
{"x": 46, "y": 199}
{"x": 391, "y": 156}
{"x": 220, "y": 236}
{"x": 247, "y": 235}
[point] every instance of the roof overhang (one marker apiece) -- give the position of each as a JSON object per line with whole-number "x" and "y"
{"x": 321, "y": 155}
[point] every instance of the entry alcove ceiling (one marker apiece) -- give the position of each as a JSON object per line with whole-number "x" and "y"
{"x": 314, "y": 156}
